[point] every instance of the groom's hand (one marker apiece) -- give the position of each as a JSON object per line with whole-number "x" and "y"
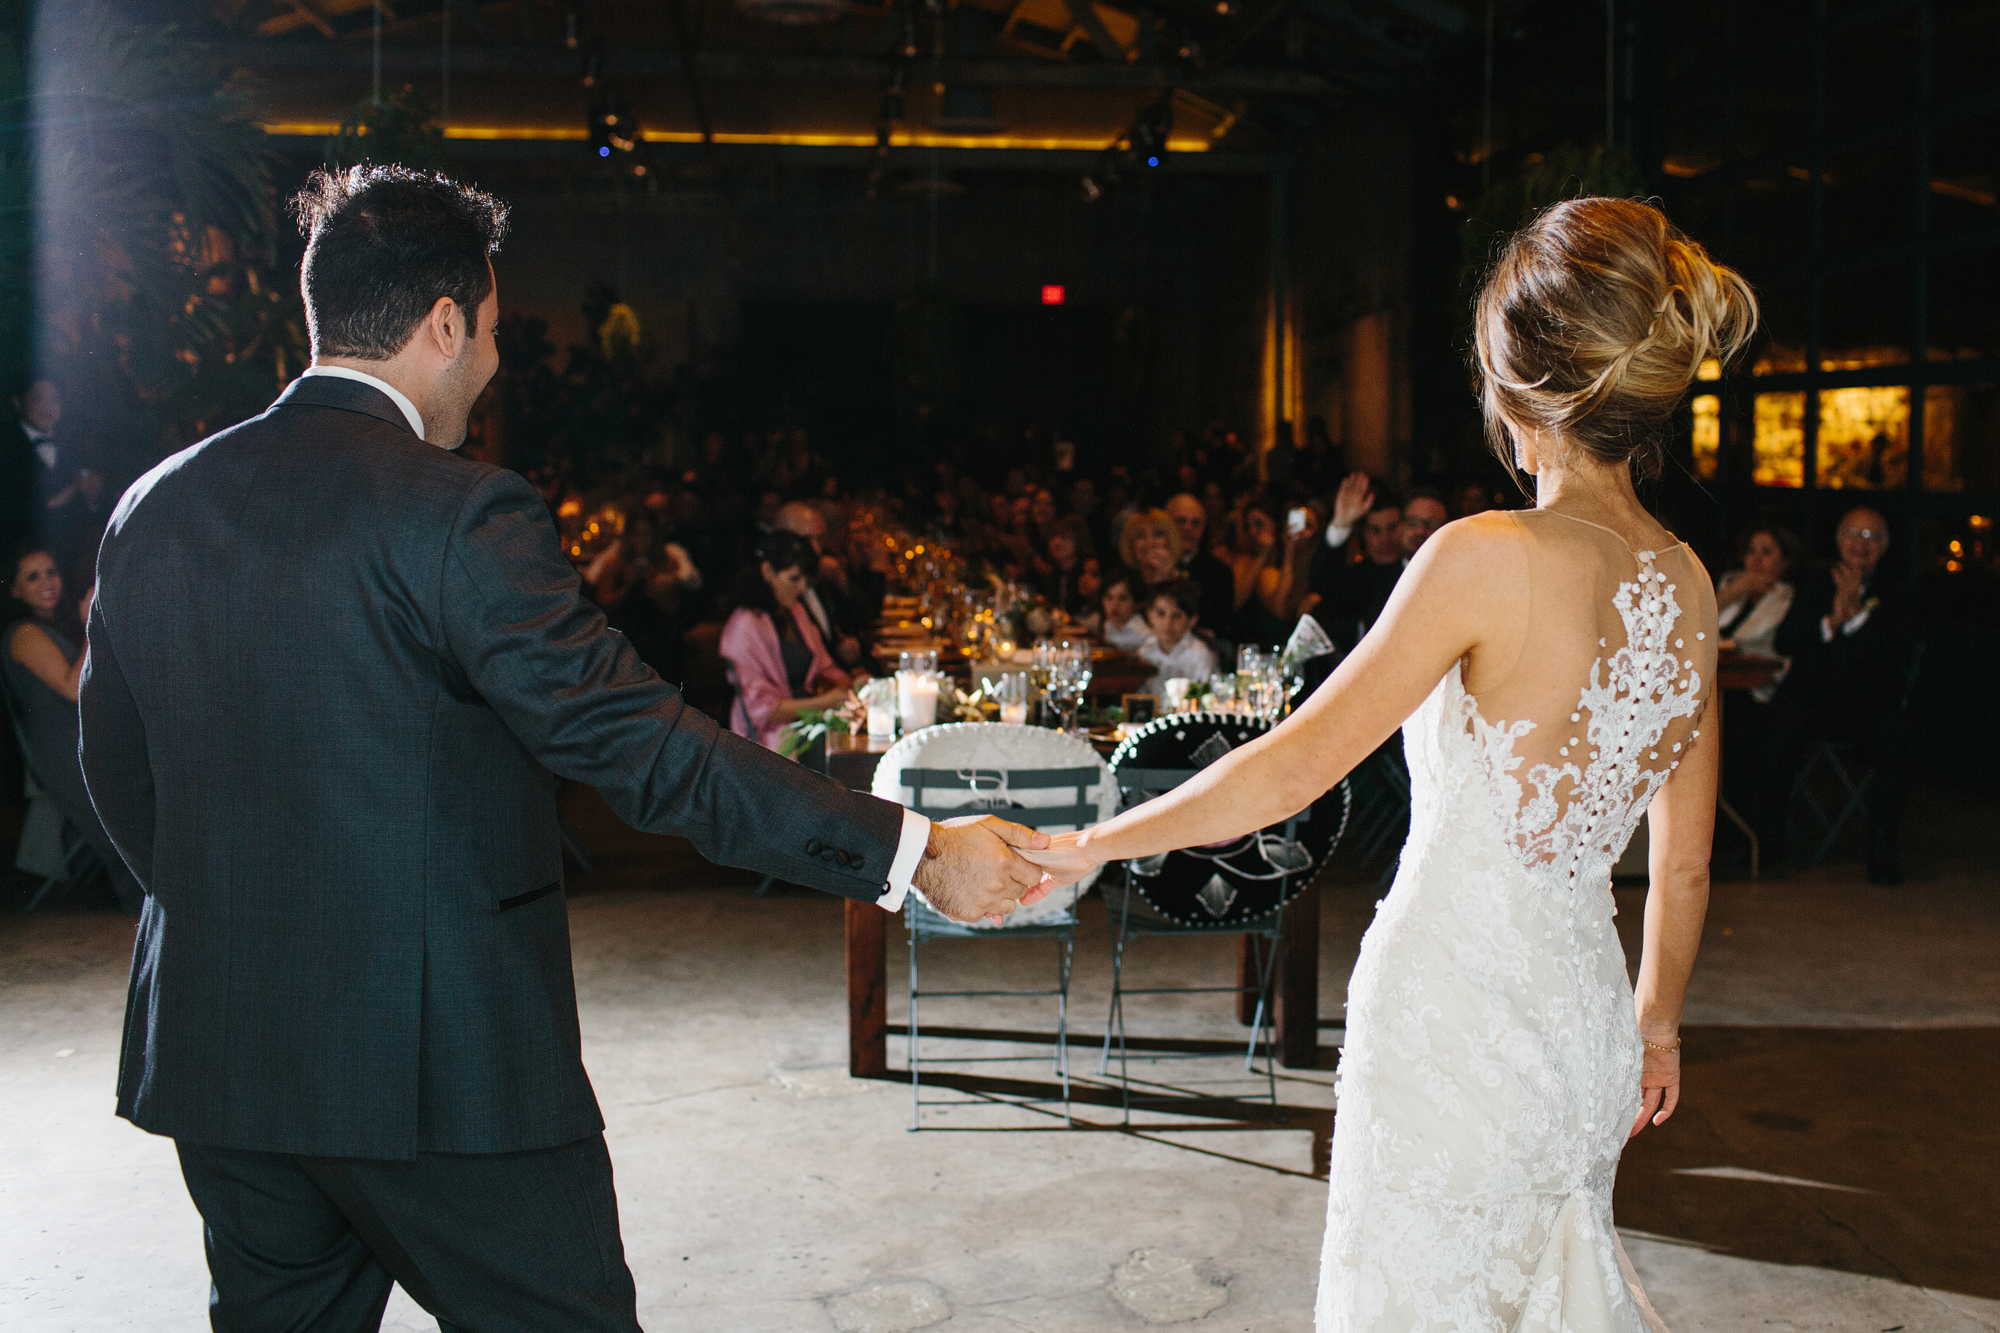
{"x": 971, "y": 868}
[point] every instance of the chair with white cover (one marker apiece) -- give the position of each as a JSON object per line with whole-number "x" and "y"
{"x": 1043, "y": 779}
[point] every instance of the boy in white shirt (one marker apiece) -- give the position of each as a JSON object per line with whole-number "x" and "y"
{"x": 1173, "y": 647}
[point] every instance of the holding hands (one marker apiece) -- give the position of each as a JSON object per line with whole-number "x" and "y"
{"x": 974, "y": 867}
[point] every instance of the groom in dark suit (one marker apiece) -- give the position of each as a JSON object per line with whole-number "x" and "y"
{"x": 333, "y": 671}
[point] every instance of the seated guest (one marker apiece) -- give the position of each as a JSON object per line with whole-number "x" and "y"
{"x": 1850, "y": 640}
{"x": 1171, "y": 646}
{"x": 41, "y": 666}
{"x": 777, "y": 660}
{"x": 1271, "y": 573}
{"x": 1752, "y": 602}
{"x": 1150, "y": 545}
{"x": 1352, "y": 594}
{"x": 1123, "y": 627}
{"x": 1752, "y": 599}
{"x": 826, "y": 599}
{"x": 1423, "y": 514}
{"x": 1067, "y": 558}
{"x": 1210, "y": 574}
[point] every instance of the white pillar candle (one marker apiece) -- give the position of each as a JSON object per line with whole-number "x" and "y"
{"x": 916, "y": 700}
{"x": 1014, "y": 715}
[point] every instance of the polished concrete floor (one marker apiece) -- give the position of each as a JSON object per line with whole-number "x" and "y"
{"x": 1833, "y": 1165}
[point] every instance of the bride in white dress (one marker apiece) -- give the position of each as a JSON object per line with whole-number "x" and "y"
{"x": 1552, "y": 671}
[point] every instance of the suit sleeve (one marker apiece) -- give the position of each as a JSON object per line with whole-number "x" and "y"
{"x": 515, "y": 621}
{"x": 111, "y": 746}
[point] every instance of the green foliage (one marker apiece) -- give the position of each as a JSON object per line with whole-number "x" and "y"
{"x": 402, "y": 128}
{"x": 812, "y": 723}
{"x": 137, "y": 222}
{"x": 1566, "y": 173}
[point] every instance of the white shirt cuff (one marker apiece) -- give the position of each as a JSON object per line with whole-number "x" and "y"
{"x": 1850, "y": 626}
{"x": 1336, "y": 535}
{"x": 909, "y": 851}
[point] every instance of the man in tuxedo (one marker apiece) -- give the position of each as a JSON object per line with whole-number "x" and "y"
{"x": 1850, "y": 640}
{"x": 825, "y": 601}
{"x": 334, "y": 672}
{"x": 49, "y": 497}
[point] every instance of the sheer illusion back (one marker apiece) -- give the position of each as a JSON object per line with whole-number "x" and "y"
{"x": 1608, "y": 692}
{"x": 1492, "y": 1063}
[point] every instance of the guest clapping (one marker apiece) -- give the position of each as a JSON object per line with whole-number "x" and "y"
{"x": 1851, "y": 642}
{"x": 1751, "y": 601}
{"x": 777, "y": 660}
{"x": 42, "y": 666}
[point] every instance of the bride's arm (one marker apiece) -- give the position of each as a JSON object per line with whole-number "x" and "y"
{"x": 1454, "y": 595}
{"x": 1680, "y": 828}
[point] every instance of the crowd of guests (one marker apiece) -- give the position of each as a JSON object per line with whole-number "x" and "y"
{"x": 754, "y": 576}
{"x": 1177, "y": 565}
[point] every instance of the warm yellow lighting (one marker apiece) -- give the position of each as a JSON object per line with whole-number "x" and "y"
{"x": 1864, "y": 437}
{"x": 1778, "y": 440}
{"x": 1707, "y": 435}
{"x": 1189, "y": 143}
{"x": 1711, "y": 369}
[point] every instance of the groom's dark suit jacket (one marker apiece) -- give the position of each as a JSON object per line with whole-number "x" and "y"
{"x": 332, "y": 669}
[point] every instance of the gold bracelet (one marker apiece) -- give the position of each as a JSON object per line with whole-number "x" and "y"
{"x": 1655, "y": 1046}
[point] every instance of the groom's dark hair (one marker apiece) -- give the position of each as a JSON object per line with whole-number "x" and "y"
{"x": 383, "y": 246}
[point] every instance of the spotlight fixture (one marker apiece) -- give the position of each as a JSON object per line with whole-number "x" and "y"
{"x": 613, "y": 127}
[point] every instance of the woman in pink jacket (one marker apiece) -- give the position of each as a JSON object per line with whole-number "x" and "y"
{"x": 777, "y": 660}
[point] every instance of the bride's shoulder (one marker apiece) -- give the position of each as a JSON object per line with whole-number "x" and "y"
{"x": 1474, "y": 550}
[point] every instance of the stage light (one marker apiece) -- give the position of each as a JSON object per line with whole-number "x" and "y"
{"x": 604, "y": 152}
{"x": 1053, "y": 293}
{"x": 1152, "y": 161}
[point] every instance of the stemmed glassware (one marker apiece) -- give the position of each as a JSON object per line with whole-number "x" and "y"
{"x": 1069, "y": 679}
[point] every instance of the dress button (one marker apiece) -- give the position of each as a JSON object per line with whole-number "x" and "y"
{"x": 812, "y": 847}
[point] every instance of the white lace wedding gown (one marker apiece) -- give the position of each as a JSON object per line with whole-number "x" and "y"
{"x": 1491, "y": 1071}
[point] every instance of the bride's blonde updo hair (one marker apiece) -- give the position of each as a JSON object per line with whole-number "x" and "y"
{"x": 1593, "y": 323}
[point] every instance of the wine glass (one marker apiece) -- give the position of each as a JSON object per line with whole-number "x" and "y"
{"x": 1069, "y": 679}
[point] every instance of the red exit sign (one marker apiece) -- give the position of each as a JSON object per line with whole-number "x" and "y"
{"x": 1053, "y": 293}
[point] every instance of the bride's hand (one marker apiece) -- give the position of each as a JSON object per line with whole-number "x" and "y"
{"x": 1659, "y": 1087}
{"x": 1064, "y": 861}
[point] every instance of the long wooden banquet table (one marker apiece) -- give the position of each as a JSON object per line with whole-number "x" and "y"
{"x": 852, "y": 759}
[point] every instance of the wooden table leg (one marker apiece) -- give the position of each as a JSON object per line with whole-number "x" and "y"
{"x": 1298, "y": 982}
{"x": 1249, "y": 953}
{"x": 867, "y": 990}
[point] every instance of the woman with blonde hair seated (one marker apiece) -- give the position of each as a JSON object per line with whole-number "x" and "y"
{"x": 1150, "y": 545}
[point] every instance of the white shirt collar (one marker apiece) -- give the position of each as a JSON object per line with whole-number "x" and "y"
{"x": 396, "y": 395}
{"x": 35, "y": 436}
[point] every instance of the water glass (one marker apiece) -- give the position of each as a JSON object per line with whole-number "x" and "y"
{"x": 1011, "y": 693}
{"x": 917, "y": 661}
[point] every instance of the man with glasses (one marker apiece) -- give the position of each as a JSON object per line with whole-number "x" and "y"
{"x": 1850, "y": 642}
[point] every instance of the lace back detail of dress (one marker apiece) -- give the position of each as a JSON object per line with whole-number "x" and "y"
{"x": 1578, "y": 781}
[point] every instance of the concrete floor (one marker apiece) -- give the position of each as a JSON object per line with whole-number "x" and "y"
{"x": 1831, "y": 1168}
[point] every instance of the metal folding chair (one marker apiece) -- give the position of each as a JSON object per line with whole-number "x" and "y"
{"x": 943, "y": 793}
{"x": 1851, "y": 775}
{"x": 1133, "y": 918}
{"x": 78, "y": 859}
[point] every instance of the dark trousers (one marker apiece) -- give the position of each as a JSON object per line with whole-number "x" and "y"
{"x": 500, "y": 1242}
